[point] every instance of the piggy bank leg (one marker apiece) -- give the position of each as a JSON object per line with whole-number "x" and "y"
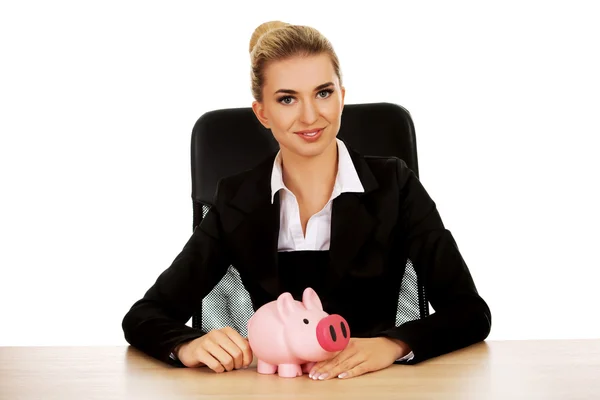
{"x": 265, "y": 368}
{"x": 307, "y": 367}
{"x": 289, "y": 370}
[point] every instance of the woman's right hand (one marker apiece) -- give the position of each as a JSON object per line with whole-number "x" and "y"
{"x": 221, "y": 350}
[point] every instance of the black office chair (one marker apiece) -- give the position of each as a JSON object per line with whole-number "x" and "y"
{"x": 225, "y": 142}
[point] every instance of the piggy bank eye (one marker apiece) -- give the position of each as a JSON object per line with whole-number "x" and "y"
{"x": 305, "y": 321}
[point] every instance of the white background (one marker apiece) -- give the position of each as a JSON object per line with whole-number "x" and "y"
{"x": 98, "y": 100}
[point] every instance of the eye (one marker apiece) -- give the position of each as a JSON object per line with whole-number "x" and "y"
{"x": 287, "y": 100}
{"x": 325, "y": 93}
{"x": 305, "y": 321}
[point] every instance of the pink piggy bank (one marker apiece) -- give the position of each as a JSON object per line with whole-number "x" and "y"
{"x": 289, "y": 337}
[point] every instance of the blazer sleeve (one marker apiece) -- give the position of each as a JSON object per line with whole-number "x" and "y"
{"x": 156, "y": 324}
{"x": 461, "y": 316}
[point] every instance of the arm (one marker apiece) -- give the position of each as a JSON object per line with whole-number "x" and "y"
{"x": 461, "y": 316}
{"x": 156, "y": 324}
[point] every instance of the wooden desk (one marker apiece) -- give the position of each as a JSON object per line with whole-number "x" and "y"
{"x": 493, "y": 370}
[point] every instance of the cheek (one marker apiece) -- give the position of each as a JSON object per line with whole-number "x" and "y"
{"x": 333, "y": 113}
{"x": 332, "y": 109}
{"x": 282, "y": 120}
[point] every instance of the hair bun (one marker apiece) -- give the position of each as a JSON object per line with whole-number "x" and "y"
{"x": 264, "y": 28}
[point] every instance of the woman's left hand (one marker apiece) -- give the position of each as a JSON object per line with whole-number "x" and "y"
{"x": 359, "y": 357}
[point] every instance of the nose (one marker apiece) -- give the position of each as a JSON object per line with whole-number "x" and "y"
{"x": 333, "y": 333}
{"x": 309, "y": 114}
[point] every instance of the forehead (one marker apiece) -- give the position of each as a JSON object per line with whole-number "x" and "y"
{"x": 299, "y": 73}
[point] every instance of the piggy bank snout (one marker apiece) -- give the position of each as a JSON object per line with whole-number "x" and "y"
{"x": 333, "y": 333}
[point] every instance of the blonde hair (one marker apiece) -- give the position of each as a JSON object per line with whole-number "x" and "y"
{"x": 276, "y": 41}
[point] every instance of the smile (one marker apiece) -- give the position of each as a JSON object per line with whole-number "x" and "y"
{"x": 310, "y": 136}
{"x": 312, "y": 133}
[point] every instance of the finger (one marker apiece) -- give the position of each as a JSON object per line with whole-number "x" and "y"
{"x": 243, "y": 345}
{"x": 221, "y": 355}
{"x": 234, "y": 351}
{"x": 325, "y": 365}
{"x": 348, "y": 352}
{"x": 322, "y": 364}
{"x": 358, "y": 370}
{"x": 339, "y": 357}
{"x": 331, "y": 370}
{"x": 221, "y": 339}
{"x": 334, "y": 363}
{"x": 207, "y": 359}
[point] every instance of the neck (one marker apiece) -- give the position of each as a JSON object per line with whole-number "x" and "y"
{"x": 310, "y": 177}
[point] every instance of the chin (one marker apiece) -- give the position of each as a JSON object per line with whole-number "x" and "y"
{"x": 310, "y": 149}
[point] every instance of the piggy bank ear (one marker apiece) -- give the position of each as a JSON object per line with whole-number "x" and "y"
{"x": 311, "y": 300}
{"x": 286, "y": 305}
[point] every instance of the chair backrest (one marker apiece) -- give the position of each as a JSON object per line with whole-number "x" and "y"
{"x": 225, "y": 142}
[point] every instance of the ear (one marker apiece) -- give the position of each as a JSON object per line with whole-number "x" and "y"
{"x": 311, "y": 300}
{"x": 343, "y": 96}
{"x": 286, "y": 305}
{"x": 259, "y": 111}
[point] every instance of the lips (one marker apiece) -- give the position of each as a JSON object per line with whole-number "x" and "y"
{"x": 310, "y": 133}
{"x": 311, "y": 136}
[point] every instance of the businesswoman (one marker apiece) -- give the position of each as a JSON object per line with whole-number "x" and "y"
{"x": 316, "y": 214}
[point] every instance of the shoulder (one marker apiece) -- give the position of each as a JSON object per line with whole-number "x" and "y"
{"x": 392, "y": 176}
{"x": 388, "y": 171}
{"x": 386, "y": 165}
{"x": 255, "y": 179}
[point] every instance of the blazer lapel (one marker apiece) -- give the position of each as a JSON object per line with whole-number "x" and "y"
{"x": 255, "y": 227}
{"x": 352, "y": 223}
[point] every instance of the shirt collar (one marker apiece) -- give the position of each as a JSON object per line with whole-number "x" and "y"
{"x": 347, "y": 179}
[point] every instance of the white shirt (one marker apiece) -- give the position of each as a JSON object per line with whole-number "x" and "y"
{"x": 318, "y": 228}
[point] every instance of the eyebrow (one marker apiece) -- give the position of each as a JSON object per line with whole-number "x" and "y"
{"x": 290, "y": 91}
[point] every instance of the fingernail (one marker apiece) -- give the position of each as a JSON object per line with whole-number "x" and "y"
{"x": 323, "y": 376}
{"x": 315, "y": 376}
{"x": 343, "y": 375}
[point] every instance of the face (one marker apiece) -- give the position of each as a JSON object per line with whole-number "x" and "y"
{"x": 302, "y": 104}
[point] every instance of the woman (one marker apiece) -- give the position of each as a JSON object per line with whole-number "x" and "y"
{"x": 315, "y": 214}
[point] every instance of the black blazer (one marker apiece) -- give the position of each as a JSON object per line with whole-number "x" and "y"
{"x": 372, "y": 235}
